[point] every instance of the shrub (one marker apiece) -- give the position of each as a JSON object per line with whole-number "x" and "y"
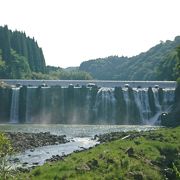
{"x": 5, "y": 152}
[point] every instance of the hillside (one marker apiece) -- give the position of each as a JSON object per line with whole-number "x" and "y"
{"x": 156, "y": 64}
{"x": 19, "y": 55}
{"x": 22, "y": 58}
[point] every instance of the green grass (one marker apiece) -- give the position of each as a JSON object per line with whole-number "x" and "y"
{"x": 154, "y": 152}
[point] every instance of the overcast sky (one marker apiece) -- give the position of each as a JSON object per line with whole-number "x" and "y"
{"x": 72, "y": 31}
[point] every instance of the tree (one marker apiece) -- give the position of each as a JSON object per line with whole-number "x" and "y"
{"x": 18, "y": 68}
{"x": 3, "y": 67}
{"x": 177, "y": 68}
{"x": 5, "y": 44}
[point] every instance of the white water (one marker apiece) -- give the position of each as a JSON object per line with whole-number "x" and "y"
{"x": 142, "y": 102}
{"x": 103, "y": 107}
{"x": 80, "y": 137}
{"x": 14, "y": 114}
{"x": 39, "y": 155}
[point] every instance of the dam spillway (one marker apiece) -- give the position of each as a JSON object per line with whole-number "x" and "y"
{"x": 85, "y": 104}
{"x": 99, "y": 83}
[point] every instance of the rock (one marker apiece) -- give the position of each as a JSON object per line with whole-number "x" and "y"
{"x": 35, "y": 163}
{"x": 83, "y": 148}
{"x": 55, "y": 158}
{"x": 25, "y": 163}
{"x": 22, "y": 141}
{"x": 137, "y": 142}
{"x": 110, "y": 161}
{"x": 16, "y": 160}
{"x": 83, "y": 167}
{"x": 130, "y": 151}
{"x": 169, "y": 173}
{"x": 23, "y": 170}
{"x": 137, "y": 175}
{"x": 93, "y": 163}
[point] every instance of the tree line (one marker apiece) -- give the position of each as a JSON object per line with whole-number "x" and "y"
{"x": 22, "y": 58}
{"x": 158, "y": 63}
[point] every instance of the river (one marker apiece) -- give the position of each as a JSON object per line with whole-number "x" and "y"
{"x": 80, "y": 136}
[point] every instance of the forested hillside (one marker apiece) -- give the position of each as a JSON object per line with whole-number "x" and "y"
{"x": 19, "y": 55}
{"x": 158, "y": 63}
{"x": 22, "y": 58}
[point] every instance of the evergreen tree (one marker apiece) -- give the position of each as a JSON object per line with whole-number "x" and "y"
{"x": 5, "y": 43}
{"x": 177, "y": 68}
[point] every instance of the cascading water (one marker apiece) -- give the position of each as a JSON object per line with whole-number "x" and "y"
{"x": 127, "y": 101}
{"x": 14, "y": 114}
{"x": 105, "y": 105}
{"x": 168, "y": 99}
{"x": 142, "y": 102}
{"x": 29, "y": 99}
{"x": 89, "y": 105}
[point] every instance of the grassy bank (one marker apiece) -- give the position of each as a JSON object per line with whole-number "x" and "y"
{"x": 153, "y": 155}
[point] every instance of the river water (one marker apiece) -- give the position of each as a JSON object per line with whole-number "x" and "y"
{"x": 80, "y": 136}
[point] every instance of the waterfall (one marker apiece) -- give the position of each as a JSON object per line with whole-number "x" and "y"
{"x": 105, "y": 105}
{"x": 127, "y": 101}
{"x": 142, "y": 102}
{"x": 14, "y": 113}
{"x": 90, "y": 105}
{"x": 29, "y": 98}
{"x": 168, "y": 99}
{"x": 156, "y": 98}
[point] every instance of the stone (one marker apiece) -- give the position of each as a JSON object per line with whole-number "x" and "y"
{"x": 16, "y": 160}
{"x": 130, "y": 151}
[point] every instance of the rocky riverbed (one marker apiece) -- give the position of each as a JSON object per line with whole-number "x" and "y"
{"x": 23, "y": 141}
{"x": 129, "y": 135}
{"x": 108, "y": 137}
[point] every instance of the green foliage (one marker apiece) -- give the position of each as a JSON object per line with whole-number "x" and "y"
{"x": 21, "y": 58}
{"x": 177, "y": 68}
{"x": 177, "y": 172}
{"x": 62, "y": 75}
{"x": 158, "y": 63}
{"x": 20, "y": 52}
{"x": 67, "y": 74}
{"x": 5, "y": 151}
{"x": 156, "y": 156}
{"x": 166, "y": 68}
{"x": 18, "y": 67}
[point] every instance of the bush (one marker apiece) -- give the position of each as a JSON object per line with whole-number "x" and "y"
{"x": 5, "y": 152}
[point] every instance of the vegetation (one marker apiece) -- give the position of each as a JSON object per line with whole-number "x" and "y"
{"x": 21, "y": 58}
{"x": 156, "y": 64}
{"x": 16, "y": 46}
{"x": 67, "y": 74}
{"x": 177, "y": 68}
{"x": 152, "y": 155}
{"x": 5, "y": 151}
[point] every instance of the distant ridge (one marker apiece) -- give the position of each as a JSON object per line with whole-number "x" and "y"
{"x": 155, "y": 64}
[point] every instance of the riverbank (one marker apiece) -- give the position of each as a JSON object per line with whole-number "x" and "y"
{"x": 22, "y": 141}
{"x": 146, "y": 155}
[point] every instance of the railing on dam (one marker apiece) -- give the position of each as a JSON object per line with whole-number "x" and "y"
{"x": 100, "y": 83}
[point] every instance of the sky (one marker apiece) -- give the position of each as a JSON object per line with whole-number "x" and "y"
{"x": 73, "y": 31}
